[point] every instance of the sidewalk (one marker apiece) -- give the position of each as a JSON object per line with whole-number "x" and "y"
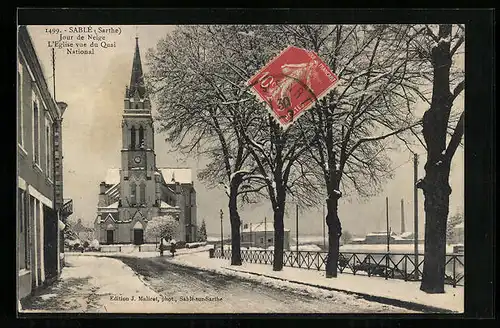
{"x": 96, "y": 284}
{"x": 390, "y": 291}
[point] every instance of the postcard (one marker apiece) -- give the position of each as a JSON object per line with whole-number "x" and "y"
{"x": 240, "y": 168}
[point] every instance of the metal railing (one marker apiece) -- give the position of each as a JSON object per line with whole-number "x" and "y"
{"x": 387, "y": 265}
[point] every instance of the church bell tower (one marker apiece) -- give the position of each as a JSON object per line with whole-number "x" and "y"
{"x": 137, "y": 155}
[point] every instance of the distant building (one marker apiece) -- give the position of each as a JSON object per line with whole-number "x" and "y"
{"x": 41, "y": 209}
{"x": 458, "y": 234}
{"x": 380, "y": 237}
{"x": 84, "y": 233}
{"x": 261, "y": 235}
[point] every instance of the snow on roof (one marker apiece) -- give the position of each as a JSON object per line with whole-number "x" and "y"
{"x": 406, "y": 234}
{"x": 377, "y": 233}
{"x": 260, "y": 227}
{"x": 112, "y": 176}
{"x": 138, "y": 225}
{"x": 358, "y": 239}
{"x": 114, "y": 205}
{"x": 165, "y": 205}
{"x": 172, "y": 175}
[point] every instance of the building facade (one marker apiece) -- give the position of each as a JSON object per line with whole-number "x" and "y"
{"x": 40, "y": 206}
{"x": 378, "y": 238}
{"x": 132, "y": 195}
{"x": 262, "y": 235}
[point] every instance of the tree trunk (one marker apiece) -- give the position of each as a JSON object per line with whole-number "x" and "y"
{"x": 279, "y": 238}
{"x": 334, "y": 233}
{"x": 435, "y": 184}
{"x": 235, "y": 225}
{"x": 436, "y": 206}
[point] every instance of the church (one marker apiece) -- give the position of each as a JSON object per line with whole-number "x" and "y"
{"x": 132, "y": 195}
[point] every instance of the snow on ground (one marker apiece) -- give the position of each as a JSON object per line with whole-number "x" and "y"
{"x": 307, "y": 248}
{"x": 202, "y": 261}
{"x": 193, "y": 245}
{"x": 310, "y": 240}
{"x": 452, "y": 300}
{"x": 48, "y": 296}
{"x": 95, "y": 284}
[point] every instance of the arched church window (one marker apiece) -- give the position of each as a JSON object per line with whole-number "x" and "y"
{"x": 132, "y": 138}
{"x": 133, "y": 190}
{"x": 143, "y": 193}
{"x": 141, "y": 135}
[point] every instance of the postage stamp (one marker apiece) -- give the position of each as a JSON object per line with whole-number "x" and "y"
{"x": 292, "y": 82}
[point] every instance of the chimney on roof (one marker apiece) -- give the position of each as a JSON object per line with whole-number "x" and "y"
{"x": 402, "y": 217}
{"x": 102, "y": 188}
{"x": 102, "y": 195}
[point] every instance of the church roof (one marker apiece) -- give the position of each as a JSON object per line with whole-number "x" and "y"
{"x": 112, "y": 176}
{"x": 172, "y": 175}
{"x": 165, "y": 205}
{"x": 137, "y": 78}
{"x": 114, "y": 205}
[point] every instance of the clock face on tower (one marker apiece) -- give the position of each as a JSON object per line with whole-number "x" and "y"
{"x": 137, "y": 159}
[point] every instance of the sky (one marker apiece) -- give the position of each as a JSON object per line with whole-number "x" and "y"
{"x": 93, "y": 86}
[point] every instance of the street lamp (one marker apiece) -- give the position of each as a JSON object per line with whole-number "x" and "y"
{"x": 297, "y": 227}
{"x": 323, "y": 219}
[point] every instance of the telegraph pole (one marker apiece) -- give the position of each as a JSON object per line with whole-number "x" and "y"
{"x": 265, "y": 232}
{"x": 221, "y": 234}
{"x": 297, "y": 226}
{"x": 415, "y": 211}
{"x": 387, "y": 220}
{"x": 403, "y": 228}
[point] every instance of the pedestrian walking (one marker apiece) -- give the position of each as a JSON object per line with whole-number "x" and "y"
{"x": 172, "y": 247}
{"x": 162, "y": 246}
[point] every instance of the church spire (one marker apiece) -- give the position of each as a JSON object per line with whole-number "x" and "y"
{"x": 136, "y": 79}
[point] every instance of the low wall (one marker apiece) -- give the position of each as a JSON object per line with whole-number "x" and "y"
{"x": 128, "y": 248}
{"x": 148, "y": 248}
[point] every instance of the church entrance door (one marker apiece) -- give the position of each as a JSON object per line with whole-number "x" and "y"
{"x": 109, "y": 236}
{"x": 138, "y": 236}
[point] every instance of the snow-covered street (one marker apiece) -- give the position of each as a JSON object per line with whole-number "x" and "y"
{"x": 157, "y": 285}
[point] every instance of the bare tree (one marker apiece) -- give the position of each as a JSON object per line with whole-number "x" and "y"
{"x": 442, "y": 129}
{"x": 276, "y": 153}
{"x": 373, "y": 102}
{"x": 186, "y": 81}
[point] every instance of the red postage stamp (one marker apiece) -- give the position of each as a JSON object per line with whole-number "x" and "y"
{"x": 291, "y": 83}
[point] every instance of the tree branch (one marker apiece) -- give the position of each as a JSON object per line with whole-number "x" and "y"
{"x": 431, "y": 34}
{"x": 457, "y": 45}
{"x": 459, "y": 88}
{"x": 455, "y": 139}
{"x": 252, "y": 190}
{"x": 363, "y": 140}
